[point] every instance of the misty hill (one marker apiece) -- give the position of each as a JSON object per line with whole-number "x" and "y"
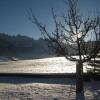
{"x": 24, "y": 46}
{"x": 17, "y": 41}
{"x": 20, "y": 45}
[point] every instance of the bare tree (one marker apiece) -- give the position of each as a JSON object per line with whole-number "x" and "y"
{"x": 73, "y": 29}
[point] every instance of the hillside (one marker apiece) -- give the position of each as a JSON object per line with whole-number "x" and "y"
{"x": 22, "y": 46}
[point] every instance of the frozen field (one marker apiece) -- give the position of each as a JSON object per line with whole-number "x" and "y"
{"x": 46, "y": 65}
{"x": 22, "y": 88}
{"x": 15, "y": 88}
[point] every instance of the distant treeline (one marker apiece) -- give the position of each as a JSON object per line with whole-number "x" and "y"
{"x": 21, "y": 43}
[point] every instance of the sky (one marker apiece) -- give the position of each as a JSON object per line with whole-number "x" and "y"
{"x": 14, "y": 17}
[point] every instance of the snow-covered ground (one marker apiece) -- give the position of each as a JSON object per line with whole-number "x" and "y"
{"x": 22, "y": 88}
{"x": 7, "y": 58}
{"x": 46, "y": 65}
{"x": 18, "y": 88}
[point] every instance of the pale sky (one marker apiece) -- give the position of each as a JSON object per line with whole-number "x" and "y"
{"x": 14, "y": 19}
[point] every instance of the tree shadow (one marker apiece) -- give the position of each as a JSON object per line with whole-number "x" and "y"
{"x": 80, "y": 96}
{"x": 26, "y": 80}
{"x": 94, "y": 88}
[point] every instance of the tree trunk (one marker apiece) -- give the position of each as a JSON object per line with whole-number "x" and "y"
{"x": 79, "y": 77}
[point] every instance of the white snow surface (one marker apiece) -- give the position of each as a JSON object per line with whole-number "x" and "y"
{"x": 18, "y": 88}
{"x": 46, "y": 65}
{"x": 22, "y": 88}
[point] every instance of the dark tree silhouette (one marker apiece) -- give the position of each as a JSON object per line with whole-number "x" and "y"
{"x": 73, "y": 29}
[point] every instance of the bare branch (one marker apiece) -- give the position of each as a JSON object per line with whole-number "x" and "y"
{"x": 73, "y": 30}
